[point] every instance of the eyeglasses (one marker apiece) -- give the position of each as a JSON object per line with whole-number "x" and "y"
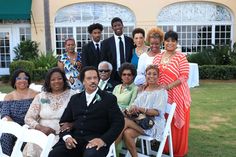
{"x": 103, "y": 70}
{"x": 126, "y": 74}
{"x": 22, "y": 78}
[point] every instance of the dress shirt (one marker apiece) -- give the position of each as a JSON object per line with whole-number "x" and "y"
{"x": 89, "y": 97}
{"x": 117, "y": 41}
{"x": 103, "y": 85}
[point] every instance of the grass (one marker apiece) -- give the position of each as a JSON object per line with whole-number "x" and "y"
{"x": 213, "y": 119}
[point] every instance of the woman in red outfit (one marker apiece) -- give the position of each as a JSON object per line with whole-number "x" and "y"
{"x": 174, "y": 70}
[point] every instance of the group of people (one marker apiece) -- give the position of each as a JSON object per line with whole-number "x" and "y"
{"x": 84, "y": 101}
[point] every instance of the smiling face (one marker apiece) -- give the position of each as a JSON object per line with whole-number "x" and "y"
{"x": 56, "y": 82}
{"x": 70, "y": 46}
{"x": 139, "y": 39}
{"x": 117, "y": 28}
{"x": 170, "y": 44}
{"x": 90, "y": 81}
{"x": 155, "y": 44}
{"x": 151, "y": 76}
{"x": 22, "y": 81}
{"x": 96, "y": 35}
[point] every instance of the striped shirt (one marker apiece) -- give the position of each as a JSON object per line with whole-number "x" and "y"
{"x": 176, "y": 69}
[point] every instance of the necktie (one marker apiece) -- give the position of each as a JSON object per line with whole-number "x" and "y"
{"x": 101, "y": 83}
{"x": 122, "y": 54}
{"x": 97, "y": 49}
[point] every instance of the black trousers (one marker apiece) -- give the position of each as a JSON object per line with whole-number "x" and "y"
{"x": 60, "y": 150}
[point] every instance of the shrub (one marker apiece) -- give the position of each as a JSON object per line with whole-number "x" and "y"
{"x": 217, "y": 55}
{"x": 39, "y": 74}
{"x": 45, "y": 61}
{"x": 26, "y": 50}
{"x": 22, "y": 64}
{"x": 217, "y": 72}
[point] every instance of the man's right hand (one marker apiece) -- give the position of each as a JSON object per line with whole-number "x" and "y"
{"x": 70, "y": 143}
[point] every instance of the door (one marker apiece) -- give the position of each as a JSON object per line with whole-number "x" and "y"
{"x": 5, "y": 56}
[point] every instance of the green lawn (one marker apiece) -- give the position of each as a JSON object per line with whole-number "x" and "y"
{"x": 213, "y": 119}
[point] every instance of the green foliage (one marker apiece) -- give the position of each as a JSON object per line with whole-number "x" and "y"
{"x": 217, "y": 55}
{"x": 39, "y": 74}
{"x": 26, "y": 50}
{"x": 22, "y": 64}
{"x": 45, "y": 61}
{"x": 217, "y": 72}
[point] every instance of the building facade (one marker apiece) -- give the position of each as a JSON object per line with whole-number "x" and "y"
{"x": 198, "y": 23}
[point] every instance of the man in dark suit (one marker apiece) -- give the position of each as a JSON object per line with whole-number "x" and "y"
{"x": 91, "y": 52}
{"x": 96, "y": 117}
{"x": 118, "y": 48}
{"x": 106, "y": 83}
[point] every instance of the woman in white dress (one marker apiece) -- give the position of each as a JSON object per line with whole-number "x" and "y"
{"x": 154, "y": 39}
{"x": 151, "y": 100}
{"x": 47, "y": 108}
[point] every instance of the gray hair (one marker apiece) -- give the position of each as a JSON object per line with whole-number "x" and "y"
{"x": 105, "y": 62}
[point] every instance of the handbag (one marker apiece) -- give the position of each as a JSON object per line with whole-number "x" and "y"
{"x": 144, "y": 121}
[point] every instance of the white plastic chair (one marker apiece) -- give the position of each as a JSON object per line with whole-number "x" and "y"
{"x": 112, "y": 151}
{"x": 146, "y": 140}
{"x": 24, "y": 134}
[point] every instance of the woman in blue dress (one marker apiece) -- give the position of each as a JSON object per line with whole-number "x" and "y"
{"x": 70, "y": 62}
{"x": 140, "y": 47}
{"x": 15, "y": 105}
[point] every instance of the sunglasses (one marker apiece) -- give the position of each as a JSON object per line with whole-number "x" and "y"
{"x": 102, "y": 70}
{"x": 126, "y": 74}
{"x": 22, "y": 78}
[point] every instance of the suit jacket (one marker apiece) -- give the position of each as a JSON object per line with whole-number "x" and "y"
{"x": 109, "y": 51}
{"x": 90, "y": 56}
{"x": 110, "y": 85}
{"x": 101, "y": 119}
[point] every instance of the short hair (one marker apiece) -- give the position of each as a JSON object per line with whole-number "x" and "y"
{"x": 155, "y": 33}
{"x": 152, "y": 66}
{"x": 105, "y": 62}
{"x": 87, "y": 68}
{"x": 95, "y": 26}
{"x": 171, "y": 34}
{"x": 47, "y": 84}
{"x": 127, "y": 66}
{"x": 16, "y": 74}
{"x": 138, "y": 30}
{"x": 68, "y": 39}
{"x": 116, "y": 19}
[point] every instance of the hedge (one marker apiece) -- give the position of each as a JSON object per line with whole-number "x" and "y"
{"x": 217, "y": 72}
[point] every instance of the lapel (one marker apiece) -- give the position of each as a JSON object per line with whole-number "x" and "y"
{"x": 127, "y": 47}
{"x": 94, "y": 101}
{"x": 113, "y": 47}
{"x": 92, "y": 47}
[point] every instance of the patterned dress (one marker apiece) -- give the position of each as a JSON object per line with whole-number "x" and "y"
{"x": 16, "y": 109}
{"x": 46, "y": 109}
{"x": 72, "y": 71}
{"x": 177, "y": 69}
{"x": 156, "y": 99}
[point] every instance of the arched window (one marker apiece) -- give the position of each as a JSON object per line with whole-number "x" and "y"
{"x": 73, "y": 20}
{"x": 198, "y": 24}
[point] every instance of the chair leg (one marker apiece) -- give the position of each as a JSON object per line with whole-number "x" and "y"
{"x": 170, "y": 144}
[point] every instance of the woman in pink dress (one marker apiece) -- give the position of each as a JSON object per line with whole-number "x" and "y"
{"x": 174, "y": 70}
